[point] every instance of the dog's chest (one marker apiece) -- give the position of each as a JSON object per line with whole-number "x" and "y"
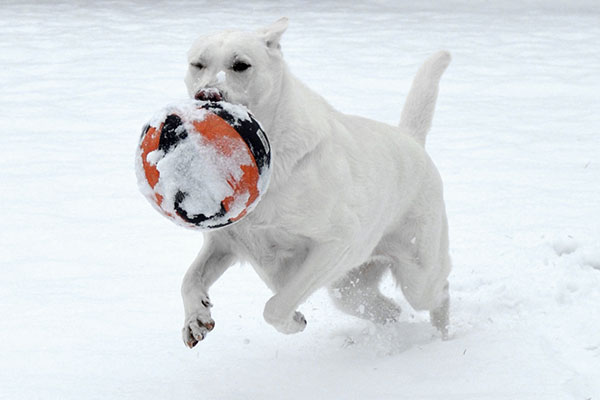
{"x": 273, "y": 252}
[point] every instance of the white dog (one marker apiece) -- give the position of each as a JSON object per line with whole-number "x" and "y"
{"x": 349, "y": 198}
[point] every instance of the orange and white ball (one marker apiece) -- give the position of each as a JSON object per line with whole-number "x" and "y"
{"x": 202, "y": 164}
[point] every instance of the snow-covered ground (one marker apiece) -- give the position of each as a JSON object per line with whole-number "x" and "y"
{"x": 90, "y": 274}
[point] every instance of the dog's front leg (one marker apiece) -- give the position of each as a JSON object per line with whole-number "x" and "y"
{"x": 214, "y": 258}
{"x": 320, "y": 267}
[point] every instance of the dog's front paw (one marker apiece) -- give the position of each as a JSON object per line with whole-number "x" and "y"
{"x": 197, "y": 325}
{"x": 288, "y": 325}
{"x": 295, "y": 325}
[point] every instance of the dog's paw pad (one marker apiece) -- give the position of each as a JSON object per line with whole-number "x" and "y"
{"x": 300, "y": 320}
{"x": 196, "y": 329}
{"x": 293, "y": 325}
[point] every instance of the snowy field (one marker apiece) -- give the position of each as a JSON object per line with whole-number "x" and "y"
{"x": 90, "y": 273}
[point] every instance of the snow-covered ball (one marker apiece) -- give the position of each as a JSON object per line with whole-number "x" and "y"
{"x": 203, "y": 164}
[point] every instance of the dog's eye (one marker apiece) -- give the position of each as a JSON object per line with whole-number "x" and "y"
{"x": 240, "y": 66}
{"x": 197, "y": 65}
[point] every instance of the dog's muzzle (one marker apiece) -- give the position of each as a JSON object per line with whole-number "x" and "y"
{"x": 208, "y": 94}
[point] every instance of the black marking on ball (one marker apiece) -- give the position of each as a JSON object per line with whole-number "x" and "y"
{"x": 144, "y": 131}
{"x": 250, "y": 131}
{"x": 199, "y": 218}
{"x": 172, "y": 133}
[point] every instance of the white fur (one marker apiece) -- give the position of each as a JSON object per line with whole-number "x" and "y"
{"x": 349, "y": 197}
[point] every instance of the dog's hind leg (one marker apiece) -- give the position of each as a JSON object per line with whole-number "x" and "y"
{"x": 439, "y": 316}
{"x": 358, "y": 294}
{"x": 423, "y": 269}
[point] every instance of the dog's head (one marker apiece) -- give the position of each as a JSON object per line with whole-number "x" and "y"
{"x": 238, "y": 67}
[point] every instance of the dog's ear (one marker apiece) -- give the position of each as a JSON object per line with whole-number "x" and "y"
{"x": 272, "y": 33}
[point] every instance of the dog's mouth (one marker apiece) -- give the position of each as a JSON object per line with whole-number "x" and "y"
{"x": 209, "y": 94}
{"x": 214, "y": 94}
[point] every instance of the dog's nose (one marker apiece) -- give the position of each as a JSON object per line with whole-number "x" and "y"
{"x": 209, "y": 94}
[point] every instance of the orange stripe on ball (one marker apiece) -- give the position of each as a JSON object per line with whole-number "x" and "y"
{"x": 214, "y": 129}
{"x": 150, "y": 144}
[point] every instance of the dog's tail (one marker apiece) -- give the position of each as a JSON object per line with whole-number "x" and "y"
{"x": 420, "y": 103}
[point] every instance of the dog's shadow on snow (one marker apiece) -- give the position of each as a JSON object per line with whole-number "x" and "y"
{"x": 389, "y": 339}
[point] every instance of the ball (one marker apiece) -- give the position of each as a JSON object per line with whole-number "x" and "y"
{"x": 203, "y": 165}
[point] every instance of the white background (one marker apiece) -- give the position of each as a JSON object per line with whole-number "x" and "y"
{"x": 90, "y": 273}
